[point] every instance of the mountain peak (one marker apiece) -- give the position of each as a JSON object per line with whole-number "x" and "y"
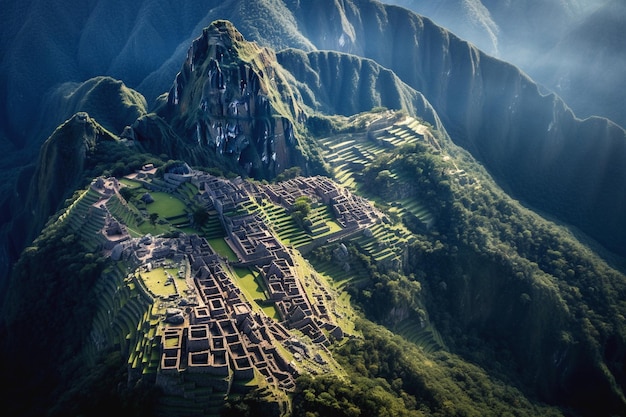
{"x": 233, "y": 97}
{"x": 60, "y": 166}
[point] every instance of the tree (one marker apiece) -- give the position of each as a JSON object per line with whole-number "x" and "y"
{"x": 200, "y": 217}
{"x": 300, "y": 210}
{"x": 126, "y": 193}
{"x": 153, "y": 218}
{"x": 383, "y": 179}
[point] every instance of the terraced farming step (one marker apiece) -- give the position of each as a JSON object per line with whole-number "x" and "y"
{"x": 424, "y": 336}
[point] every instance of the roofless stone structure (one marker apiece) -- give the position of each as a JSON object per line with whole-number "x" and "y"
{"x": 201, "y": 320}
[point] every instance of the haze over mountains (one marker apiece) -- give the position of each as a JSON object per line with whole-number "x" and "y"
{"x": 142, "y": 44}
{"x": 132, "y": 68}
{"x": 574, "y": 48}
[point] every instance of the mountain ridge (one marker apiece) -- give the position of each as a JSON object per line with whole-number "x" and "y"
{"x": 481, "y": 128}
{"x": 474, "y": 290}
{"x": 495, "y": 111}
{"x": 477, "y": 81}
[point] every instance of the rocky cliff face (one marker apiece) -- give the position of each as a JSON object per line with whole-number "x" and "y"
{"x": 232, "y": 97}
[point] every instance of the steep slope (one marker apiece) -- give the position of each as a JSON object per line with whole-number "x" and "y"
{"x": 515, "y": 32}
{"x": 536, "y": 310}
{"x": 337, "y": 83}
{"x": 39, "y": 190}
{"x": 232, "y": 97}
{"x": 530, "y": 303}
{"x": 495, "y": 111}
{"x": 546, "y": 39}
{"x": 494, "y": 275}
{"x": 592, "y": 49}
{"x": 59, "y": 171}
{"x": 468, "y": 19}
{"x": 141, "y": 43}
{"x": 105, "y": 99}
{"x": 475, "y": 96}
{"x": 107, "y": 334}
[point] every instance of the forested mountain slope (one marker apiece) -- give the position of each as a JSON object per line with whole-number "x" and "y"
{"x": 487, "y": 106}
{"x": 454, "y": 264}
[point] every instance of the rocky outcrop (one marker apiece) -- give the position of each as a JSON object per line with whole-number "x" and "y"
{"x": 232, "y": 97}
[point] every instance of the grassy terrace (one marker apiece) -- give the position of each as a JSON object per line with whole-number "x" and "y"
{"x": 132, "y": 184}
{"x": 220, "y": 246}
{"x": 338, "y": 277}
{"x": 187, "y": 191}
{"x": 252, "y": 287}
{"x": 173, "y": 211}
{"x": 323, "y": 221}
{"x": 157, "y": 281}
{"x": 85, "y": 219}
{"x": 284, "y": 226}
{"x": 166, "y": 205}
{"x": 213, "y": 228}
{"x": 316, "y": 282}
{"x": 385, "y": 243}
{"x": 286, "y": 229}
{"x": 417, "y": 209}
{"x": 424, "y": 336}
{"x": 349, "y": 153}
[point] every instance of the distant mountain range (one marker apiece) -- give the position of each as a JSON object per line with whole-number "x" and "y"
{"x": 487, "y": 106}
{"x": 572, "y": 48}
{"x": 96, "y": 87}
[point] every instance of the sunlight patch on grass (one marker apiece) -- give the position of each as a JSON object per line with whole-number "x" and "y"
{"x": 220, "y": 246}
{"x": 132, "y": 184}
{"x": 166, "y": 205}
{"x": 253, "y": 289}
{"x": 158, "y": 283}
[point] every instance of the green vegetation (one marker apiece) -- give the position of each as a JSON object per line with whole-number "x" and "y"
{"x": 166, "y": 205}
{"x": 220, "y": 246}
{"x": 463, "y": 276}
{"x": 112, "y": 158}
{"x": 253, "y": 288}
{"x": 129, "y": 185}
{"x": 300, "y": 211}
{"x": 127, "y": 214}
{"x": 493, "y": 308}
{"x": 57, "y": 273}
{"x": 471, "y": 242}
{"x": 159, "y": 281}
{"x": 284, "y": 225}
{"x": 389, "y": 376}
{"x": 439, "y": 385}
